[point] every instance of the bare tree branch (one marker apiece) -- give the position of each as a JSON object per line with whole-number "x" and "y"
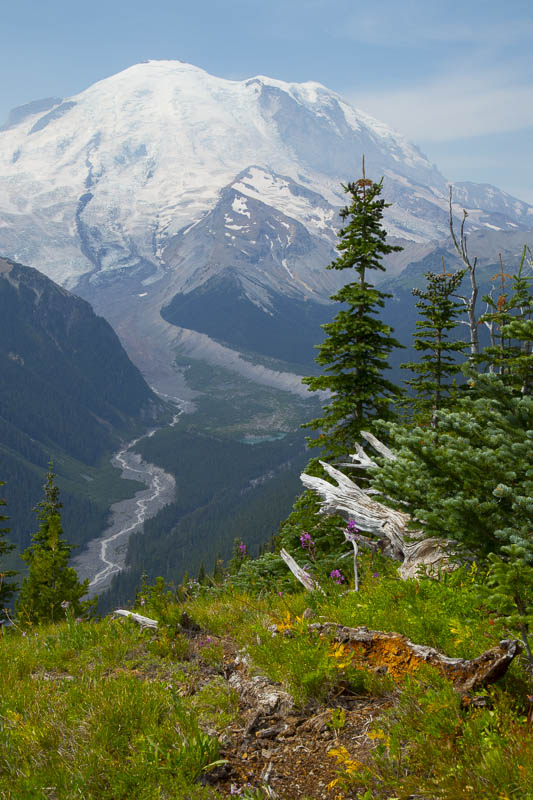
{"x": 144, "y": 622}
{"x": 300, "y": 574}
{"x": 470, "y": 302}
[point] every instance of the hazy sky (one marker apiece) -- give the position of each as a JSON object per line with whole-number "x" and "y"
{"x": 455, "y": 77}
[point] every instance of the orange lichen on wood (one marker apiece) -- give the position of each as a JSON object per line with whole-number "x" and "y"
{"x": 399, "y": 656}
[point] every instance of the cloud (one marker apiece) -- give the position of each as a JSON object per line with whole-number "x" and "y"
{"x": 468, "y": 101}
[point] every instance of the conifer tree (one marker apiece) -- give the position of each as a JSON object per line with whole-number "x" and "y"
{"x": 510, "y": 323}
{"x": 201, "y": 578}
{"x": 218, "y": 569}
{"x": 7, "y": 587}
{"x": 238, "y": 557}
{"x": 51, "y": 586}
{"x": 471, "y": 479}
{"x": 358, "y": 343}
{"x": 438, "y": 317}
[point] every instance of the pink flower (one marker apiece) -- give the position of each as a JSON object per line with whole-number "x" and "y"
{"x": 308, "y": 543}
{"x": 337, "y": 576}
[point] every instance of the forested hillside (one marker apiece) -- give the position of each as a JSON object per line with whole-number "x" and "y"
{"x": 69, "y": 394}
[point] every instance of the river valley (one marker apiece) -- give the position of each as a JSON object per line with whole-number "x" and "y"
{"x": 105, "y": 556}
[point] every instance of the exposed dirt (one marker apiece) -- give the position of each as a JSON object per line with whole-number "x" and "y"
{"x": 273, "y": 743}
{"x": 284, "y": 749}
{"x": 292, "y": 756}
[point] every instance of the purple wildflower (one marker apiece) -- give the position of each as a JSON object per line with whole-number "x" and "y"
{"x": 351, "y": 532}
{"x": 242, "y": 549}
{"x": 308, "y": 544}
{"x": 337, "y": 576}
{"x": 375, "y": 574}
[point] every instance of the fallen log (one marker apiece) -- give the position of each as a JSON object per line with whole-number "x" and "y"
{"x": 144, "y": 622}
{"x": 399, "y": 656}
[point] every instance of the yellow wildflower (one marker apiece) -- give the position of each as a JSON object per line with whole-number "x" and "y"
{"x": 286, "y": 624}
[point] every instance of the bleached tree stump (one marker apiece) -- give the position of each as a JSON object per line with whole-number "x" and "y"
{"x": 389, "y": 526}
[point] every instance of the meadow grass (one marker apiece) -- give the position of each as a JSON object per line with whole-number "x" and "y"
{"x": 103, "y": 710}
{"x": 87, "y": 711}
{"x": 428, "y": 743}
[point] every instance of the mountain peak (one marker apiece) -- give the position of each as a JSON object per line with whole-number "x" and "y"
{"x": 99, "y": 183}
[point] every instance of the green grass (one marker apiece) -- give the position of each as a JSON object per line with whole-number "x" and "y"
{"x": 428, "y": 744}
{"x": 88, "y": 711}
{"x": 104, "y": 710}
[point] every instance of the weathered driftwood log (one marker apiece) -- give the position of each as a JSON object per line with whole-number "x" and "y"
{"x": 389, "y": 526}
{"x": 400, "y": 656}
{"x": 144, "y": 622}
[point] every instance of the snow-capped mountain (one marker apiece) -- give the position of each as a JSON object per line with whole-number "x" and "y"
{"x": 106, "y": 180}
{"x": 162, "y": 178}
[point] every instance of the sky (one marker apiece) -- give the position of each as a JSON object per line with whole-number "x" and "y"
{"x": 455, "y": 77}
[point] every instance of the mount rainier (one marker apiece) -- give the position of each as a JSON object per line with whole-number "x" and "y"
{"x": 163, "y": 191}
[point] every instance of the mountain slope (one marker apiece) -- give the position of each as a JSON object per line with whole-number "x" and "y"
{"x": 68, "y": 393}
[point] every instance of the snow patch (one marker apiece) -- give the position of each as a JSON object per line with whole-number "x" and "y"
{"x": 240, "y": 207}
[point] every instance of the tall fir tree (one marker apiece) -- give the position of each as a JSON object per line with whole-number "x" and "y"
{"x": 358, "y": 343}
{"x": 7, "y": 587}
{"x": 438, "y": 314}
{"x": 51, "y": 587}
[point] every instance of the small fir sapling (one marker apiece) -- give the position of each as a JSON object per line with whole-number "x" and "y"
{"x": 510, "y": 323}
{"x": 202, "y": 577}
{"x": 239, "y": 556}
{"x": 218, "y": 570}
{"x": 508, "y": 593}
{"x": 438, "y": 318}
{"x": 51, "y": 588}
